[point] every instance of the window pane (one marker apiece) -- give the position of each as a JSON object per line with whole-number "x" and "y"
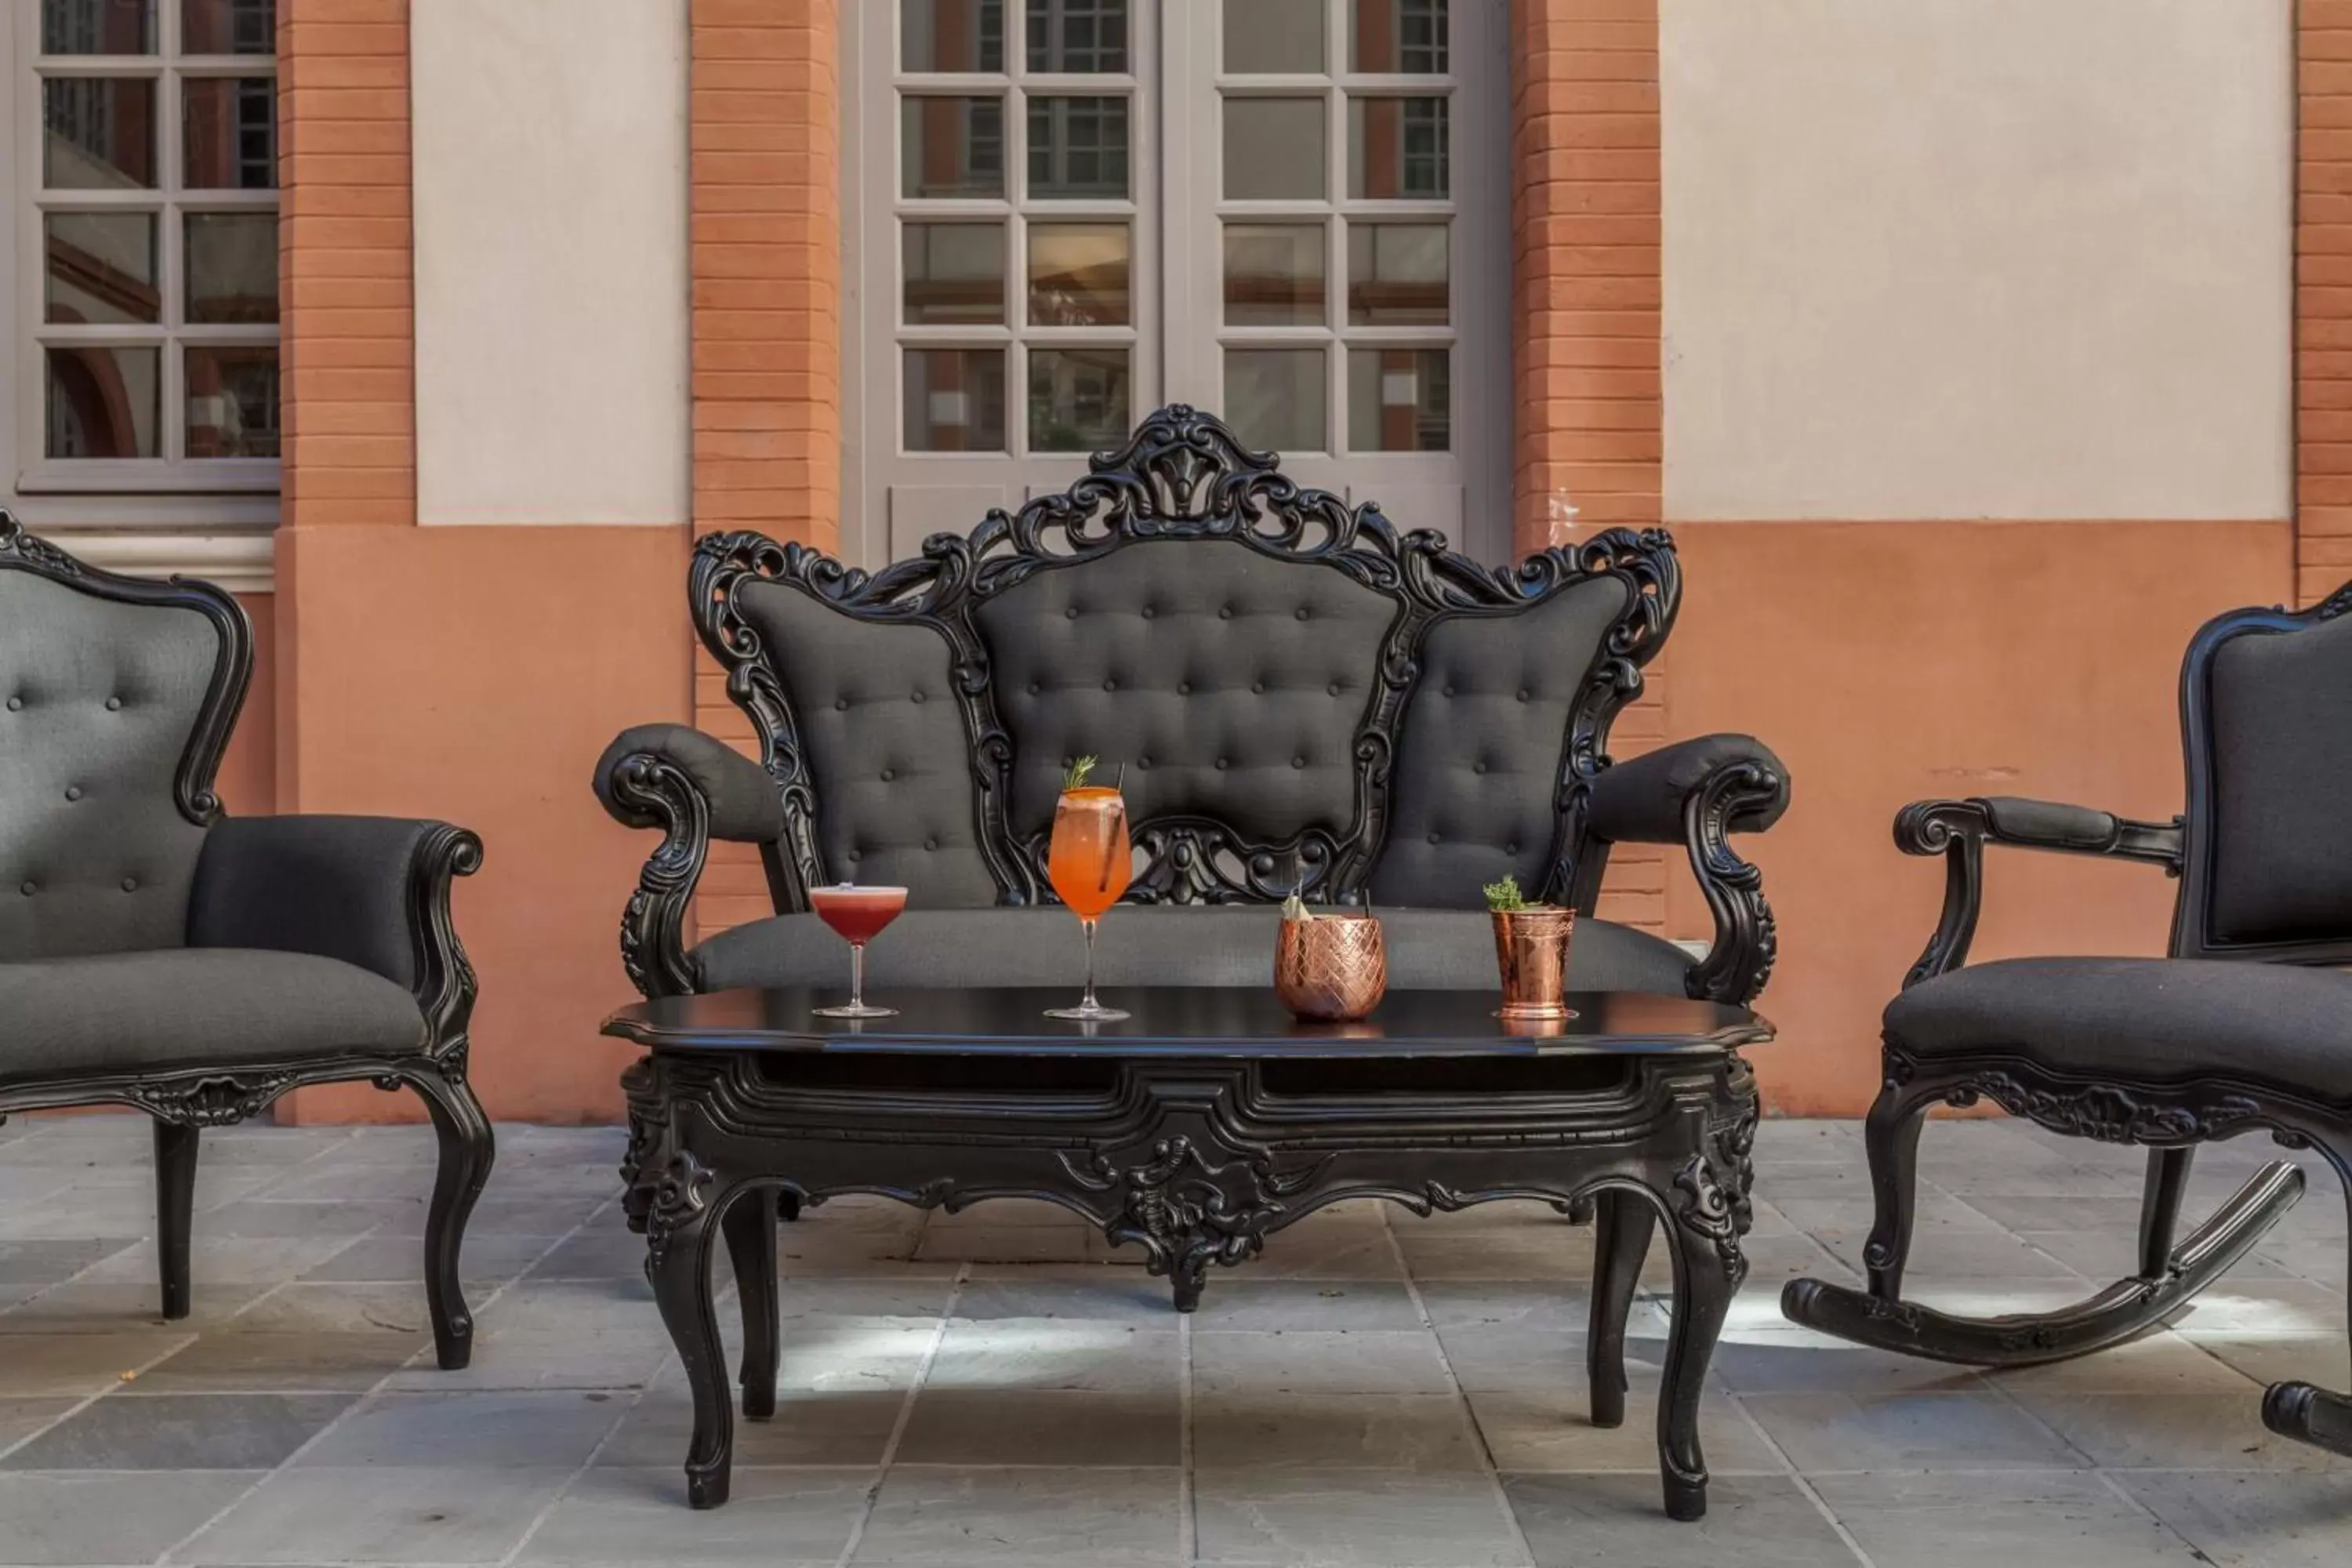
{"x": 952, "y": 147}
{"x": 1402, "y": 37}
{"x": 1273, "y": 274}
{"x": 97, "y": 27}
{"x": 954, "y": 274}
{"x": 1267, "y": 35}
{"x": 1274, "y": 397}
{"x": 950, "y": 35}
{"x": 955, "y": 400}
{"x": 230, "y": 128}
{"x": 232, "y": 266}
{"x": 1077, "y": 35}
{"x": 1396, "y": 274}
{"x": 1399, "y": 400}
{"x": 102, "y": 267}
{"x": 1078, "y": 399}
{"x": 1077, "y": 275}
{"x": 228, "y": 26}
{"x": 1273, "y": 149}
{"x": 102, "y": 402}
{"x": 233, "y": 400}
{"x": 1077, "y": 147}
{"x": 1397, "y": 148}
{"x": 100, "y": 134}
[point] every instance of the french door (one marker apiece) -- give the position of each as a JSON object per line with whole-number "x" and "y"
{"x": 1063, "y": 213}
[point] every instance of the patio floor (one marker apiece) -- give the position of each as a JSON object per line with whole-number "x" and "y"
{"x": 995, "y": 1388}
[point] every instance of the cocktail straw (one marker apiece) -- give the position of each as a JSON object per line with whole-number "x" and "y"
{"x": 1119, "y": 783}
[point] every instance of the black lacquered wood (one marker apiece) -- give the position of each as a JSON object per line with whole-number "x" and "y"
{"x": 1195, "y": 1130}
{"x": 1178, "y": 1020}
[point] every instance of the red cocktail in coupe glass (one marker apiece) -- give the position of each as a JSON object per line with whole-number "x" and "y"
{"x": 858, "y": 914}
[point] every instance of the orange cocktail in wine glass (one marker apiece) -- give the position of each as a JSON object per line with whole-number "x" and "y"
{"x": 858, "y": 915}
{"x": 1088, "y": 861}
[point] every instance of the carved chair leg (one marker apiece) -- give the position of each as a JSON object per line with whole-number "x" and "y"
{"x": 2159, "y": 1210}
{"x": 749, "y": 1225}
{"x": 1890, "y": 1138}
{"x": 678, "y": 1265}
{"x": 175, "y": 1204}
{"x": 468, "y": 1149}
{"x": 1706, "y": 1272}
{"x": 1621, "y": 1240}
{"x": 2304, "y": 1411}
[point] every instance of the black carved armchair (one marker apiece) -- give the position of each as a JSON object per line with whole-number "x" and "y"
{"x": 1303, "y": 697}
{"x": 157, "y": 954}
{"x": 2241, "y": 1030}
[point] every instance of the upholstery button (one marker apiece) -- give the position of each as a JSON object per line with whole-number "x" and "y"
{"x": 1258, "y": 687}
{"x": 114, "y": 705}
{"x": 15, "y": 704}
{"x": 1298, "y": 762}
{"x": 1221, "y": 764}
{"x": 1302, "y": 611}
{"x": 931, "y": 844}
{"x": 1110, "y": 686}
{"x": 1034, "y": 687}
{"x": 853, "y": 854}
{"x": 28, "y": 887}
{"x": 1449, "y": 690}
{"x": 1225, "y": 612}
{"x": 1333, "y": 689}
{"x": 889, "y": 774}
{"x": 1478, "y": 767}
{"x": 1141, "y": 763}
{"x": 1433, "y": 837}
{"x": 1511, "y": 848}
{"x": 1149, "y": 611}
{"x": 1071, "y": 613}
{"x": 841, "y": 704}
{"x": 916, "y": 697}
{"x": 1183, "y": 689}
{"x": 73, "y": 792}
{"x": 130, "y": 884}
{"x": 1523, "y": 694}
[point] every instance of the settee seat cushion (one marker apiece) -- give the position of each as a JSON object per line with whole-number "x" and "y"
{"x": 2140, "y": 1019}
{"x": 1154, "y": 945}
{"x": 178, "y": 1007}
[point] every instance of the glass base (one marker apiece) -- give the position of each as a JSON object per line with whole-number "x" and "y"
{"x": 1084, "y": 1014}
{"x": 862, "y": 1010}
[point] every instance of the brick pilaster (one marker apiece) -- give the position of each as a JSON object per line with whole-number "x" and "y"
{"x": 2322, "y": 297}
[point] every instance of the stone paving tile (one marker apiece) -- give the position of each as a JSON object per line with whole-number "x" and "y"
{"x": 493, "y": 1429}
{"x": 259, "y": 1362}
{"x": 370, "y": 1515}
{"x": 1755, "y": 1521}
{"x": 957, "y": 1518}
{"x": 1354, "y": 1519}
{"x": 2060, "y": 1516}
{"x": 33, "y": 1366}
{"x": 181, "y": 1432}
{"x": 110, "y": 1519}
{"x": 1963, "y": 1431}
{"x": 1043, "y": 1426}
{"x": 629, "y": 1518}
{"x": 2245, "y": 1519}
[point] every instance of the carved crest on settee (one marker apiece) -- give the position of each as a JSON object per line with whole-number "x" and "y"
{"x": 1182, "y": 475}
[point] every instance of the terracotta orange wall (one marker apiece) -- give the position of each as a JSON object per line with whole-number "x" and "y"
{"x": 469, "y": 673}
{"x": 1891, "y": 661}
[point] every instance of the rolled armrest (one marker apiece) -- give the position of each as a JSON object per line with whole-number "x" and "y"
{"x": 1641, "y": 800}
{"x": 740, "y": 800}
{"x": 1959, "y": 829}
{"x": 370, "y": 890}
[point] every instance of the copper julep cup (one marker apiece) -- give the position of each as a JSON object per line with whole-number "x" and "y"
{"x": 1531, "y": 948}
{"x": 1332, "y": 969}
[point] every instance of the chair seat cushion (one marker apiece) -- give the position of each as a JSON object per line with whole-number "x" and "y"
{"x": 1155, "y": 945}
{"x": 176, "y": 1007}
{"x": 2147, "y": 1019}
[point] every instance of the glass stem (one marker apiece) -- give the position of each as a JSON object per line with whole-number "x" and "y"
{"x": 857, "y": 974}
{"x": 1089, "y": 1003}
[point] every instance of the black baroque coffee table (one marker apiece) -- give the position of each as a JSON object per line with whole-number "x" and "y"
{"x": 1205, "y": 1123}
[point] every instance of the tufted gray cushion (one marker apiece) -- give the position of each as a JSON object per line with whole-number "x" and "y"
{"x": 1218, "y": 946}
{"x": 1230, "y": 684}
{"x": 885, "y": 745}
{"x": 2281, "y": 751}
{"x": 1479, "y": 761}
{"x": 97, "y": 702}
{"x": 190, "y": 1006}
{"x": 2147, "y": 1018}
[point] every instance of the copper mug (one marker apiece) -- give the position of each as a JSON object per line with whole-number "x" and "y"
{"x": 1531, "y": 948}
{"x": 1333, "y": 968}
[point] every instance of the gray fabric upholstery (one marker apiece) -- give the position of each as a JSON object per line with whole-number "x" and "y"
{"x": 2144, "y": 1018}
{"x": 185, "y": 1007}
{"x": 2031, "y": 822}
{"x": 884, "y": 744}
{"x": 1197, "y": 945}
{"x": 1231, "y": 684}
{"x": 336, "y": 887}
{"x": 746, "y": 806}
{"x": 1479, "y": 760}
{"x": 1640, "y": 801}
{"x": 2281, "y": 839}
{"x": 97, "y": 700}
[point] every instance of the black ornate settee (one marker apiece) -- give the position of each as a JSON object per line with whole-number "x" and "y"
{"x": 159, "y": 954}
{"x": 1302, "y": 696}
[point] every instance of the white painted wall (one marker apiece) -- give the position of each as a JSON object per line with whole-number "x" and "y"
{"x": 552, "y": 275}
{"x": 1952, "y": 258}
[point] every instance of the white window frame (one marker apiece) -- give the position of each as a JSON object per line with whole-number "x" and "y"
{"x": 1177, "y": 283}
{"x": 207, "y": 500}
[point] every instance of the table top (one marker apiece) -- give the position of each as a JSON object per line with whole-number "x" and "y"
{"x": 1181, "y": 1021}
